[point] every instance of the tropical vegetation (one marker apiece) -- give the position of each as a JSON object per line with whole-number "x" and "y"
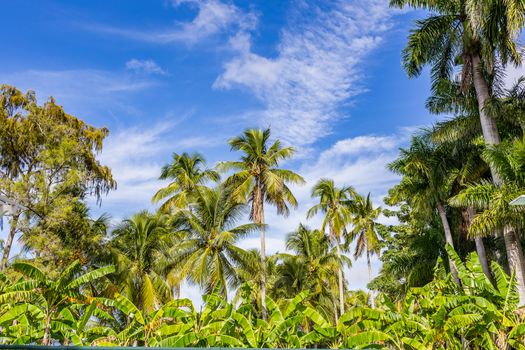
{"x": 448, "y": 235}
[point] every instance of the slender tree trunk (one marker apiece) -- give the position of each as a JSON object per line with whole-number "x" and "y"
{"x": 371, "y": 293}
{"x": 336, "y": 316}
{"x": 448, "y": 239}
{"x": 9, "y": 243}
{"x": 263, "y": 273}
{"x": 340, "y": 278}
{"x": 46, "y": 339}
{"x": 175, "y": 290}
{"x": 257, "y": 216}
{"x": 491, "y": 136}
{"x": 369, "y": 265}
{"x": 480, "y": 248}
{"x": 516, "y": 260}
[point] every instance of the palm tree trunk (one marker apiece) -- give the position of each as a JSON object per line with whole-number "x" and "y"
{"x": 491, "y": 136}
{"x": 480, "y": 248}
{"x": 369, "y": 265}
{"x": 336, "y": 317}
{"x": 340, "y": 278}
{"x": 9, "y": 243}
{"x": 448, "y": 239}
{"x": 371, "y": 293}
{"x": 516, "y": 260}
{"x": 257, "y": 215}
{"x": 263, "y": 273}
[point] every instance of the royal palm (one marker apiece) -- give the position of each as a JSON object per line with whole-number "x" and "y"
{"x": 257, "y": 179}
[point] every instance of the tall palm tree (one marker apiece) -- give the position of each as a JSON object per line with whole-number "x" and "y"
{"x": 188, "y": 173}
{"x": 335, "y": 203}
{"x": 473, "y": 32}
{"x": 508, "y": 159}
{"x": 426, "y": 182}
{"x": 257, "y": 180}
{"x": 364, "y": 230}
{"x": 311, "y": 265}
{"x": 209, "y": 255}
{"x": 139, "y": 250}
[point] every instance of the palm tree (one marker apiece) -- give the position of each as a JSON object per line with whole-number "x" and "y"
{"x": 335, "y": 203}
{"x": 140, "y": 249}
{"x": 209, "y": 256}
{"x": 364, "y": 230}
{"x": 51, "y": 296}
{"x": 188, "y": 173}
{"x": 474, "y": 33}
{"x": 312, "y": 265}
{"x": 257, "y": 180}
{"x": 493, "y": 201}
{"x": 426, "y": 183}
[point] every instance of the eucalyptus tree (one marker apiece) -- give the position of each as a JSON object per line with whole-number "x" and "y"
{"x": 335, "y": 203}
{"x": 209, "y": 256}
{"x": 426, "y": 181}
{"x": 364, "y": 229}
{"x": 51, "y": 296}
{"x": 140, "y": 250}
{"x": 188, "y": 173}
{"x": 258, "y": 179}
{"x": 48, "y": 161}
{"x": 477, "y": 34}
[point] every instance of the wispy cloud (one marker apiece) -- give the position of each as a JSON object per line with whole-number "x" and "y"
{"x": 136, "y": 155}
{"x": 82, "y": 91}
{"x": 317, "y": 69}
{"x": 359, "y": 161}
{"x": 213, "y": 17}
{"x": 144, "y": 66}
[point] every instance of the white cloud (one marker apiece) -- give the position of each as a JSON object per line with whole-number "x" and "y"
{"x": 317, "y": 69}
{"x": 135, "y": 156}
{"x": 82, "y": 91}
{"x": 213, "y": 17}
{"x": 360, "y": 162}
{"x": 144, "y": 66}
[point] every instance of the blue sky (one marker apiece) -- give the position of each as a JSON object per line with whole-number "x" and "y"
{"x": 186, "y": 75}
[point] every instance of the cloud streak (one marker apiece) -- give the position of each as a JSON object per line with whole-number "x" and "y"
{"x": 213, "y": 17}
{"x": 144, "y": 66}
{"x": 83, "y": 91}
{"x": 317, "y": 69}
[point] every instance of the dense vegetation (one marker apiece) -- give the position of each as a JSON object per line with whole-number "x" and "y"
{"x": 453, "y": 270}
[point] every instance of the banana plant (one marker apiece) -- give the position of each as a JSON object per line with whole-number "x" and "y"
{"x": 45, "y": 298}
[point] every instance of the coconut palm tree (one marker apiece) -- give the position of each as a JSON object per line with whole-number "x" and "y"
{"x": 188, "y": 173}
{"x": 474, "y": 33}
{"x": 364, "y": 229}
{"x": 257, "y": 179}
{"x": 140, "y": 249}
{"x": 426, "y": 182}
{"x": 209, "y": 256}
{"x": 311, "y": 265}
{"x": 335, "y": 203}
{"x": 491, "y": 200}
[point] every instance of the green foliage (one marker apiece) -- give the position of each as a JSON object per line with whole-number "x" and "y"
{"x": 441, "y": 313}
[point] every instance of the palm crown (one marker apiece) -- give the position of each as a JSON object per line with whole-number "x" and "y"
{"x": 188, "y": 173}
